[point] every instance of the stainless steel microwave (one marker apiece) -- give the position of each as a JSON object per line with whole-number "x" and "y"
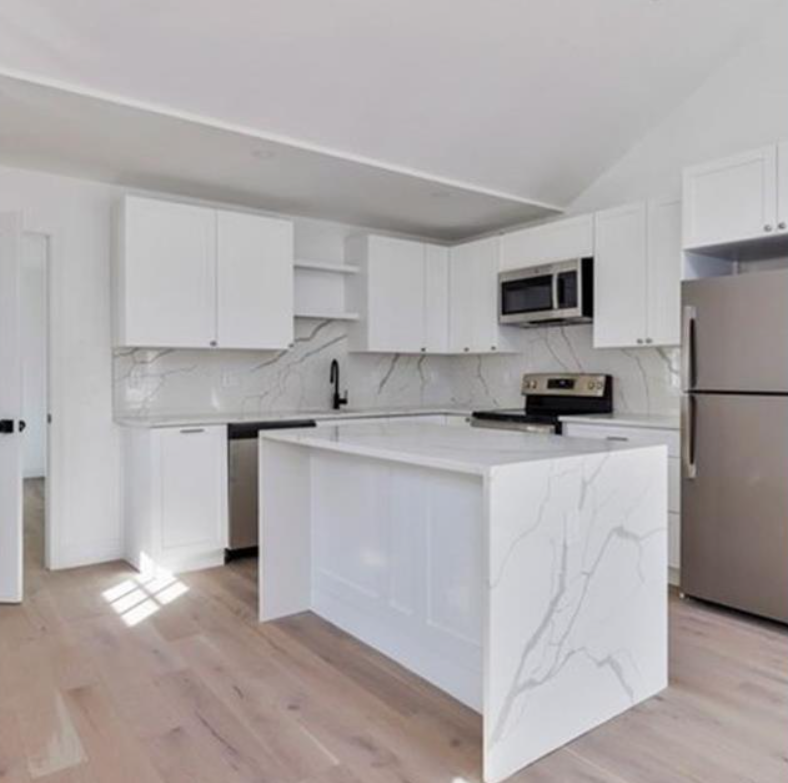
{"x": 558, "y": 293}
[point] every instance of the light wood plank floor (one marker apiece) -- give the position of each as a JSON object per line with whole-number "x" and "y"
{"x": 104, "y": 679}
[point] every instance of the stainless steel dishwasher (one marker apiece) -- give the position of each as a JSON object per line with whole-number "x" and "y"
{"x": 242, "y": 455}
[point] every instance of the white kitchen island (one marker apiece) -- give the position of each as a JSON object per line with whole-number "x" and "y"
{"x": 524, "y": 574}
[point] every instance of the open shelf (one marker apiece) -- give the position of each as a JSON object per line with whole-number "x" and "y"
{"x": 329, "y": 316}
{"x": 323, "y": 266}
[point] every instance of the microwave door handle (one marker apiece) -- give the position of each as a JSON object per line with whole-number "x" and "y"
{"x": 689, "y": 373}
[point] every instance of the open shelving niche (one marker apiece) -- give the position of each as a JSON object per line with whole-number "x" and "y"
{"x": 320, "y": 290}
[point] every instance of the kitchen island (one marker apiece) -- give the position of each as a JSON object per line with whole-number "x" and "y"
{"x": 524, "y": 574}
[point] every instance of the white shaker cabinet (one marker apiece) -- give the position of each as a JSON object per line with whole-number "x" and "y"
{"x": 188, "y": 276}
{"x": 165, "y": 275}
{"x": 175, "y": 497}
{"x": 388, "y": 293}
{"x": 255, "y": 281}
{"x": 637, "y": 268}
{"x": 558, "y": 240}
{"x": 731, "y": 200}
{"x": 436, "y": 299}
{"x": 473, "y": 299}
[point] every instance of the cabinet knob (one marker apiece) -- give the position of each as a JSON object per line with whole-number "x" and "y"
{"x": 493, "y": 347}
{"x": 782, "y": 225}
{"x": 213, "y": 343}
{"x": 649, "y": 341}
{"x": 424, "y": 350}
{"x": 768, "y": 228}
{"x": 640, "y": 341}
{"x": 466, "y": 349}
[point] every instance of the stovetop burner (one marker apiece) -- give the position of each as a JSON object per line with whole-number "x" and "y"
{"x": 547, "y": 398}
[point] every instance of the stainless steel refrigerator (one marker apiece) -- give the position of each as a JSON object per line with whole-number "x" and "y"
{"x": 734, "y": 502}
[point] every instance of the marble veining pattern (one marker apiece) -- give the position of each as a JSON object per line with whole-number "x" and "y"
{"x": 577, "y": 629}
{"x": 151, "y": 382}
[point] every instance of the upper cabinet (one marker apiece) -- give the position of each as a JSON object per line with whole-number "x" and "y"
{"x": 389, "y": 294}
{"x": 415, "y": 297}
{"x": 736, "y": 199}
{"x": 637, "y": 267}
{"x": 556, "y": 241}
{"x": 193, "y": 277}
{"x": 473, "y": 299}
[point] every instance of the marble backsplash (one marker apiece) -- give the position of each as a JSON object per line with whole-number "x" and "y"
{"x": 179, "y": 381}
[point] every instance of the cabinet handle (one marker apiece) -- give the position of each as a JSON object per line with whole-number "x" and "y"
{"x": 424, "y": 350}
{"x": 640, "y": 341}
{"x": 193, "y": 431}
{"x": 768, "y": 228}
{"x": 618, "y": 438}
{"x": 466, "y": 350}
{"x": 782, "y": 225}
{"x": 649, "y": 341}
{"x": 493, "y": 347}
{"x": 213, "y": 343}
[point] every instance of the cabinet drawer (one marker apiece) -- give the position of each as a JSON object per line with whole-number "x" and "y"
{"x": 646, "y": 437}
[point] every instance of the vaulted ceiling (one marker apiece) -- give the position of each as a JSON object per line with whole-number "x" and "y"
{"x": 531, "y": 99}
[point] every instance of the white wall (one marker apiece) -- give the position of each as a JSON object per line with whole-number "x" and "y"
{"x": 743, "y": 105}
{"x": 34, "y": 352}
{"x": 83, "y": 483}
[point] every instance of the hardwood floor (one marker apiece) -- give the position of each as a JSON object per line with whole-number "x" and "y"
{"x": 107, "y": 679}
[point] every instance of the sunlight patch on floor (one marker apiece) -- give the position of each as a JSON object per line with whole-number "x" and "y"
{"x": 138, "y": 598}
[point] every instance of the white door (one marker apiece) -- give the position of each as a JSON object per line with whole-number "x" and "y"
{"x": 10, "y": 410}
{"x": 620, "y": 279}
{"x": 732, "y": 199}
{"x": 396, "y": 295}
{"x": 193, "y": 491}
{"x": 167, "y": 278}
{"x": 462, "y": 299}
{"x": 782, "y": 187}
{"x": 664, "y": 273}
{"x": 436, "y": 299}
{"x": 255, "y": 281}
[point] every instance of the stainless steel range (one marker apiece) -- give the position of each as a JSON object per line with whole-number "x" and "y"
{"x": 547, "y": 398}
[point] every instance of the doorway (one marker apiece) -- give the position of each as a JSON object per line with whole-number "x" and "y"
{"x": 34, "y": 344}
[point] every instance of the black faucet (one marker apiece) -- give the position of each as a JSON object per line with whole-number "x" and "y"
{"x": 337, "y": 400}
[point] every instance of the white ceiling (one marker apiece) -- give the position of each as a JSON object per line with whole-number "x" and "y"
{"x": 527, "y": 98}
{"x": 72, "y": 134}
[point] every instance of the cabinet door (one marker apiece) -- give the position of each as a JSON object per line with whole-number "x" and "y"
{"x": 620, "y": 278}
{"x": 731, "y": 200}
{"x": 193, "y": 475}
{"x": 663, "y": 307}
{"x": 436, "y": 299}
{"x": 255, "y": 281}
{"x": 782, "y": 187}
{"x": 395, "y": 295}
{"x": 166, "y": 283}
{"x": 462, "y": 298}
{"x": 556, "y": 241}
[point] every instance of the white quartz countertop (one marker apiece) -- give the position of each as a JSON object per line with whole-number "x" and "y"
{"x": 658, "y": 421}
{"x": 206, "y": 419}
{"x": 461, "y": 449}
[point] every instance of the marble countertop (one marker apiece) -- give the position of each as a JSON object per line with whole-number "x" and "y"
{"x": 206, "y": 419}
{"x": 460, "y": 449}
{"x": 659, "y": 421}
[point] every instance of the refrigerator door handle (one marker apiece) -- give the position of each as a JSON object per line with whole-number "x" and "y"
{"x": 689, "y": 416}
{"x": 688, "y": 355}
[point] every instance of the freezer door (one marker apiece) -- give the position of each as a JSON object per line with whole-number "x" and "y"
{"x": 735, "y": 333}
{"x": 734, "y": 541}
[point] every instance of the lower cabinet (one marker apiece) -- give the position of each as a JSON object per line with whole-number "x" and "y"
{"x": 175, "y": 497}
{"x": 647, "y": 436}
